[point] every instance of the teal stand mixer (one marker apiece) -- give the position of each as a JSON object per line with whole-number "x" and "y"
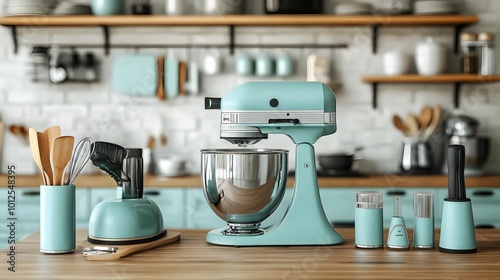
{"x": 129, "y": 218}
{"x": 244, "y": 186}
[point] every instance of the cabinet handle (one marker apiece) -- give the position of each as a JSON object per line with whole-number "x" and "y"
{"x": 483, "y": 193}
{"x": 31, "y": 193}
{"x": 152, "y": 193}
{"x": 394, "y": 193}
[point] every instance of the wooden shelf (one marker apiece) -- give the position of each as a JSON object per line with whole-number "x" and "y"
{"x": 375, "y": 181}
{"x": 446, "y": 78}
{"x": 237, "y": 20}
{"x": 456, "y": 79}
{"x": 374, "y": 21}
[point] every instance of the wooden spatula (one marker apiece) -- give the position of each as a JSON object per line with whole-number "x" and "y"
{"x": 60, "y": 155}
{"x": 52, "y": 133}
{"x": 35, "y": 151}
{"x": 121, "y": 251}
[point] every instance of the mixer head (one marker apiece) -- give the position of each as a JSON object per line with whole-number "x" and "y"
{"x": 305, "y": 111}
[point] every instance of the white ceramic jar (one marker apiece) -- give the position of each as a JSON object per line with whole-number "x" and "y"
{"x": 430, "y": 58}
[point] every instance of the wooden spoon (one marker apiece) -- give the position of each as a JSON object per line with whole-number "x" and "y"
{"x": 437, "y": 115}
{"x": 424, "y": 119}
{"x": 412, "y": 123}
{"x": 52, "y": 133}
{"x": 60, "y": 155}
{"x": 400, "y": 125}
{"x": 35, "y": 151}
{"x": 160, "y": 93}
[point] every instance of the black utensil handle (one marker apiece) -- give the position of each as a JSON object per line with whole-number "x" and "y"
{"x": 456, "y": 164}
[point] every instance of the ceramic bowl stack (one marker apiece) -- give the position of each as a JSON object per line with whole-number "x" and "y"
{"x": 72, "y": 8}
{"x": 29, "y": 7}
{"x": 434, "y": 7}
{"x": 353, "y": 8}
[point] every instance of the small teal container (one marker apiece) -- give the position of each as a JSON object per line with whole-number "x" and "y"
{"x": 57, "y": 219}
{"x": 264, "y": 65}
{"x": 284, "y": 65}
{"x": 107, "y": 7}
{"x": 245, "y": 64}
{"x": 423, "y": 220}
{"x": 368, "y": 220}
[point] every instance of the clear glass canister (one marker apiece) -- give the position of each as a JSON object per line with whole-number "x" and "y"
{"x": 487, "y": 61}
{"x": 468, "y": 63}
{"x": 368, "y": 220}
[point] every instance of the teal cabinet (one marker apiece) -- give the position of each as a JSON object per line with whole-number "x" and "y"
{"x": 198, "y": 213}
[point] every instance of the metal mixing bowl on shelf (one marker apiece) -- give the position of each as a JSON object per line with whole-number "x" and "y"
{"x": 244, "y": 186}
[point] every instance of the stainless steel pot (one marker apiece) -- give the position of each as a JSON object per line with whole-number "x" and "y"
{"x": 244, "y": 186}
{"x": 218, "y": 7}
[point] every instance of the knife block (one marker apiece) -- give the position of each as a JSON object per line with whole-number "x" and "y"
{"x": 457, "y": 228}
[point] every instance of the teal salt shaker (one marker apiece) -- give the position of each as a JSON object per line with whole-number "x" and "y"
{"x": 57, "y": 219}
{"x": 264, "y": 65}
{"x": 423, "y": 220}
{"x": 368, "y": 220}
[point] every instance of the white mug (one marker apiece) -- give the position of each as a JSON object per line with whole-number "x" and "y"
{"x": 212, "y": 63}
{"x": 430, "y": 58}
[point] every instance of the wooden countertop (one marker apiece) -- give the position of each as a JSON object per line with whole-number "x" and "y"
{"x": 193, "y": 258}
{"x": 375, "y": 181}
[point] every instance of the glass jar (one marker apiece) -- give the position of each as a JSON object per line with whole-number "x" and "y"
{"x": 39, "y": 59}
{"x": 487, "y": 61}
{"x": 468, "y": 63}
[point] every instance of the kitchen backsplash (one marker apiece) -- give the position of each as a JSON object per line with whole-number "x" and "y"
{"x": 96, "y": 110}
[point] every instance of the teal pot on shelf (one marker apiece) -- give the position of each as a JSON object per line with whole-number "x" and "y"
{"x": 107, "y": 7}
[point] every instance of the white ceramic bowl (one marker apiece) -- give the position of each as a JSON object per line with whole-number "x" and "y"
{"x": 396, "y": 63}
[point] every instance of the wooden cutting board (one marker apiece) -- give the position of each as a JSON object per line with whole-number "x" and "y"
{"x": 125, "y": 250}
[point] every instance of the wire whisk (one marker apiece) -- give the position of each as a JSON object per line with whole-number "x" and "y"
{"x": 81, "y": 155}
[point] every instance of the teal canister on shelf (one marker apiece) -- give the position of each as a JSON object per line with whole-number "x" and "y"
{"x": 423, "y": 222}
{"x": 107, "y": 7}
{"x": 57, "y": 219}
{"x": 244, "y": 64}
{"x": 284, "y": 65}
{"x": 368, "y": 220}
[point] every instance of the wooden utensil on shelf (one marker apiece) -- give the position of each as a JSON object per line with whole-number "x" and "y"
{"x": 437, "y": 115}
{"x": 52, "y": 133}
{"x": 424, "y": 120}
{"x": 400, "y": 125}
{"x": 182, "y": 77}
{"x": 412, "y": 123}
{"x": 61, "y": 154}
{"x": 160, "y": 93}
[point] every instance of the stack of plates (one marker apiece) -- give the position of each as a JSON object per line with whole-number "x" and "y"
{"x": 29, "y": 7}
{"x": 72, "y": 8}
{"x": 434, "y": 7}
{"x": 353, "y": 8}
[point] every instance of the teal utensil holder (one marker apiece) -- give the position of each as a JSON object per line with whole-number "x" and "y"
{"x": 457, "y": 228}
{"x": 57, "y": 219}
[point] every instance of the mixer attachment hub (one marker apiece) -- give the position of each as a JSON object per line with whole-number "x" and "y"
{"x": 243, "y": 229}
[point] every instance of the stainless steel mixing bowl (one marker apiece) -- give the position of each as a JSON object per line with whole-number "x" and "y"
{"x": 244, "y": 186}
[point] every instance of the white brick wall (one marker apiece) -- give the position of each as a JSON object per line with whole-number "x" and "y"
{"x": 95, "y": 110}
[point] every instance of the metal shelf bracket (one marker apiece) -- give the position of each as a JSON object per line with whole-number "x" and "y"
{"x": 456, "y": 96}
{"x": 15, "y": 42}
{"x": 231, "y": 39}
{"x": 375, "y": 31}
{"x": 105, "y": 31}
{"x": 374, "y": 95}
